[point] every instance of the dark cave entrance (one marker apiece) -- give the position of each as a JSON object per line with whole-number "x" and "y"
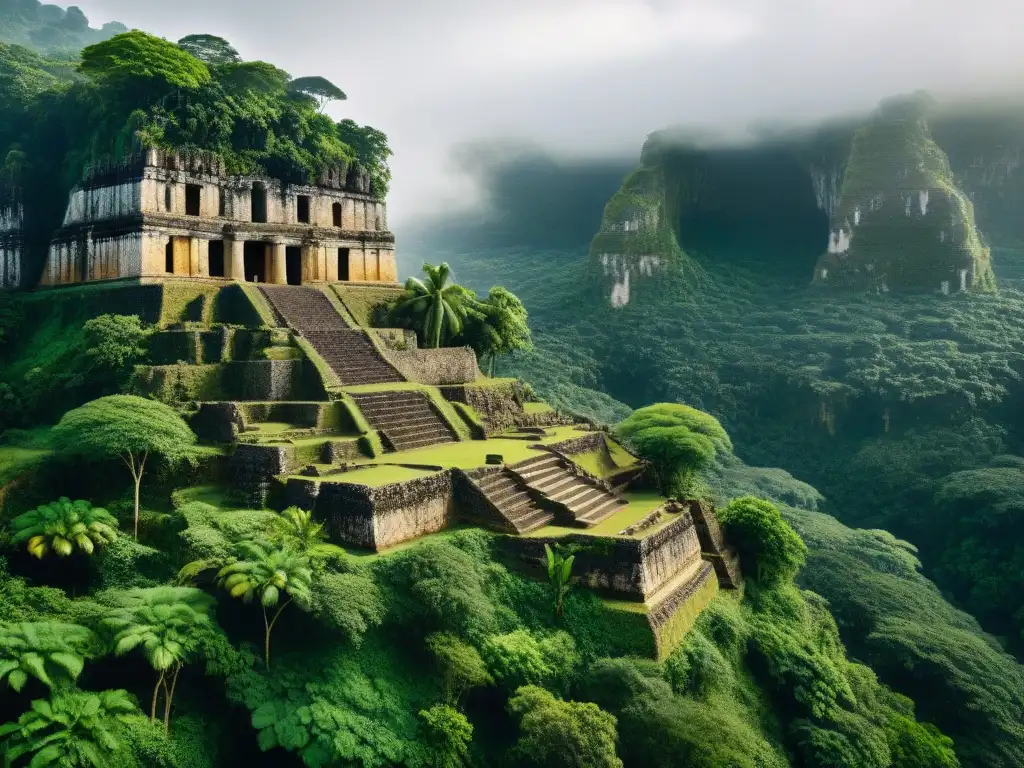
{"x": 757, "y": 209}
{"x": 254, "y": 255}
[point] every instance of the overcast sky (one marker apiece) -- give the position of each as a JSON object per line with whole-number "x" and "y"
{"x": 593, "y": 77}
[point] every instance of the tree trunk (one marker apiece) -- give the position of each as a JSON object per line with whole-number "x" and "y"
{"x": 168, "y": 699}
{"x": 156, "y": 691}
{"x": 270, "y": 625}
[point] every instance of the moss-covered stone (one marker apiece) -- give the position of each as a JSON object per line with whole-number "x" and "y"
{"x": 902, "y": 222}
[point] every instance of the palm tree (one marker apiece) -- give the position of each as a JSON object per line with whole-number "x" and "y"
{"x": 268, "y": 572}
{"x": 52, "y": 652}
{"x": 165, "y": 623}
{"x": 297, "y": 525}
{"x": 435, "y": 305}
{"x": 74, "y": 729}
{"x": 64, "y": 527}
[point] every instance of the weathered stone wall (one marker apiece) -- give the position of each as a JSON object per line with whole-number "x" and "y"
{"x": 382, "y": 516}
{"x": 631, "y": 568}
{"x": 436, "y": 367}
{"x": 500, "y": 406}
{"x": 12, "y": 216}
{"x": 250, "y": 469}
{"x": 676, "y": 613}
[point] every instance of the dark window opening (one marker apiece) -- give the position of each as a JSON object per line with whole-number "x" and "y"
{"x": 82, "y": 261}
{"x": 259, "y": 203}
{"x": 193, "y": 196}
{"x": 336, "y": 213}
{"x": 254, "y": 255}
{"x": 343, "y": 263}
{"x": 216, "y": 258}
{"x": 167, "y": 198}
{"x": 293, "y": 265}
{"x": 221, "y": 203}
{"x": 169, "y": 257}
{"x": 302, "y": 209}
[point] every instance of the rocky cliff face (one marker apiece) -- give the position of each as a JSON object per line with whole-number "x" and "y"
{"x": 902, "y": 222}
{"x": 873, "y": 204}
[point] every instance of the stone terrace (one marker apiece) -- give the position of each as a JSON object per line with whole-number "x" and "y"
{"x": 406, "y": 418}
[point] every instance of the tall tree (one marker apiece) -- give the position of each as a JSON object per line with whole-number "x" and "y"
{"x": 64, "y": 527}
{"x": 677, "y": 441}
{"x": 321, "y": 90}
{"x": 74, "y": 729}
{"x": 165, "y": 623}
{"x": 52, "y": 652}
{"x": 128, "y": 427}
{"x": 497, "y": 326}
{"x": 435, "y": 308}
{"x": 210, "y": 49}
{"x": 268, "y": 573}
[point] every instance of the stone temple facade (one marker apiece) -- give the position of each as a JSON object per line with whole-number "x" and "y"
{"x": 11, "y": 221}
{"x": 160, "y": 215}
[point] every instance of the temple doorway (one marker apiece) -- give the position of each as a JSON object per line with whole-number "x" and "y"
{"x": 293, "y": 265}
{"x": 255, "y": 258}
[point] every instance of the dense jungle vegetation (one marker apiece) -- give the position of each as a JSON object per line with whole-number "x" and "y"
{"x": 179, "y": 628}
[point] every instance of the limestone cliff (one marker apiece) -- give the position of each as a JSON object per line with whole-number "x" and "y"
{"x": 902, "y": 223}
{"x": 869, "y": 203}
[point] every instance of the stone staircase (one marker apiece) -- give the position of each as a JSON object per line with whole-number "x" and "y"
{"x": 511, "y": 498}
{"x": 348, "y": 352}
{"x": 587, "y": 502}
{"x": 406, "y": 418}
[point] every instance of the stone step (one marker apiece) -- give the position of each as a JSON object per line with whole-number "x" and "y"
{"x": 578, "y": 495}
{"x": 529, "y": 464}
{"x": 602, "y": 511}
{"x": 556, "y": 484}
{"x": 422, "y": 443}
{"x": 536, "y": 519}
{"x": 543, "y": 472}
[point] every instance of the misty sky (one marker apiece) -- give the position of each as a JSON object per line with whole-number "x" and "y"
{"x": 593, "y": 77}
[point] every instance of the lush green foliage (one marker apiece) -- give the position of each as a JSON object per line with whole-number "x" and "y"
{"x": 128, "y": 427}
{"x": 561, "y": 733}
{"x": 447, "y": 734}
{"x": 559, "y": 575}
{"x": 166, "y": 623}
{"x": 51, "y": 652}
{"x": 770, "y": 551}
{"x": 64, "y": 527}
{"x": 677, "y": 440}
{"x": 72, "y": 729}
{"x": 275, "y": 575}
{"x": 435, "y": 309}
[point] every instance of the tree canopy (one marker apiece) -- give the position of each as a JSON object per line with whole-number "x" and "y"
{"x": 677, "y": 440}
{"x": 127, "y": 427}
{"x": 770, "y": 550}
{"x": 210, "y": 49}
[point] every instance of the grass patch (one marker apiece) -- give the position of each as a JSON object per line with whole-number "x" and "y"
{"x": 537, "y": 408}
{"x": 362, "y": 302}
{"x": 641, "y": 504}
{"x": 473, "y": 453}
{"x": 377, "y": 475}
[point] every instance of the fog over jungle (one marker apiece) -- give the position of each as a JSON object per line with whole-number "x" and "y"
{"x": 593, "y": 77}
